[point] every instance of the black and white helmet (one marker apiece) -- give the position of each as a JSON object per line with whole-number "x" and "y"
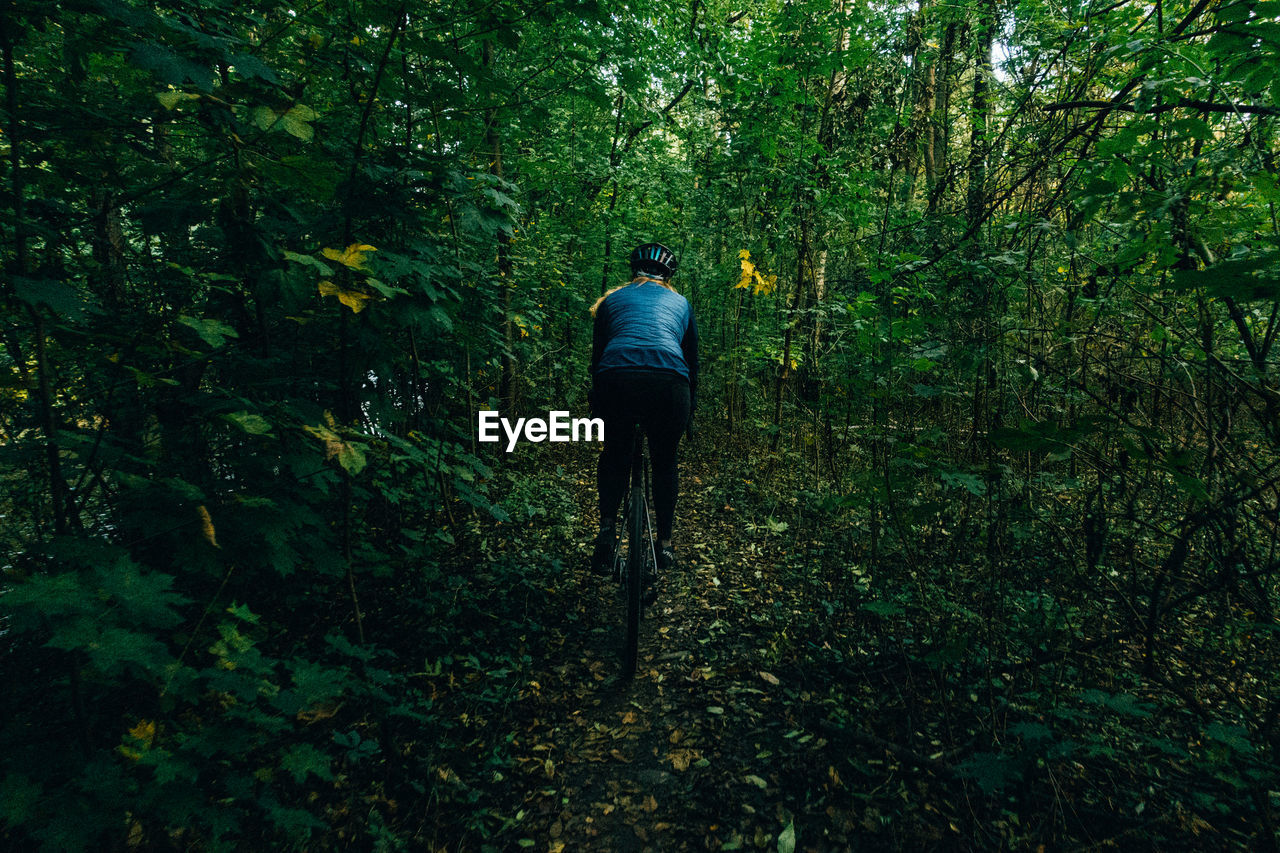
{"x": 653, "y": 259}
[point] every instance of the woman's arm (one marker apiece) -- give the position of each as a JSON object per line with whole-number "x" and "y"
{"x": 599, "y": 336}
{"x": 689, "y": 347}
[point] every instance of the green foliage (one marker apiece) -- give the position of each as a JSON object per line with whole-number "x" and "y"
{"x": 996, "y": 384}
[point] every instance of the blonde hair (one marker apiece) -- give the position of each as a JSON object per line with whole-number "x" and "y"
{"x": 642, "y": 279}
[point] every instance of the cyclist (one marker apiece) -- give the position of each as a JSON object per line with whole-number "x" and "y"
{"x": 644, "y": 369}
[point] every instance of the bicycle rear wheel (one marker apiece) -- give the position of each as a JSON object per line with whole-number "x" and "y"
{"x": 634, "y": 579}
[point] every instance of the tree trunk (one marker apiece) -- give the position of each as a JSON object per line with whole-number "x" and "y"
{"x": 493, "y": 143}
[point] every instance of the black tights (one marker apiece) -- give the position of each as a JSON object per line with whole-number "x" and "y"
{"x": 658, "y": 401}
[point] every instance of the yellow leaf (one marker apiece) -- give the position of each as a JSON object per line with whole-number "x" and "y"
{"x": 144, "y": 731}
{"x": 353, "y": 299}
{"x": 320, "y": 712}
{"x": 143, "y": 735}
{"x": 681, "y": 758}
{"x": 352, "y": 256}
{"x": 748, "y": 272}
{"x": 206, "y": 526}
{"x": 332, "y": 443}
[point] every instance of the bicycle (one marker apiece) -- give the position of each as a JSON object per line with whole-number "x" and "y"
{"x": 639, "y": 556}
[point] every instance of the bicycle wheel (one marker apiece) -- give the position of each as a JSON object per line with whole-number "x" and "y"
{"x": 634, "y": 578}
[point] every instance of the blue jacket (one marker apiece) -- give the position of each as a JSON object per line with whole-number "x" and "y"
{"x": 646, "y": 326}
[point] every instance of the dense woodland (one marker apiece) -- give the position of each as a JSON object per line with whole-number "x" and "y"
{"x": 980, "y": 525}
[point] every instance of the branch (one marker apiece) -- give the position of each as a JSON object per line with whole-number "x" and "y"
{"x": 1188, "y": 103}
{"x": 637, "y": 129}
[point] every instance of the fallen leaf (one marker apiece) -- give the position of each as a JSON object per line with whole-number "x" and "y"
{"x": 681, "y": 758}
{"x": 787, "y": 839}
{"x": 770, "y": 677}
{"x": 650, "y": 804}
{"x": 755, "y": 780}
{"x": 619, "y": 756}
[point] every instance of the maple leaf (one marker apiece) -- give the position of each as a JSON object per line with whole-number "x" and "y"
{"x": 351, "y": 257}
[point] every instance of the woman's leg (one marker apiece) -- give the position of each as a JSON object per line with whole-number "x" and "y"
{"x": 613, "y": 466}
{"x": 669, "y": 419}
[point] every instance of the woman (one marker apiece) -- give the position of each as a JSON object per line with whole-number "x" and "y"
{"x": 644, "y": 369}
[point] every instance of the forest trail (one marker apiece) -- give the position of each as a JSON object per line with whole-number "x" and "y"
{"x": 716, "y": 743}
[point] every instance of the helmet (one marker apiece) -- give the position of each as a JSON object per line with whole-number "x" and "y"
{"x": 654, "y": 259}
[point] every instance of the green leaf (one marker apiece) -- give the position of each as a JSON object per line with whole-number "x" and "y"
{"x": 1248, "y": 277}
{"x": 61, "y": 298}
{"x": 303, "y": 760}
{"x": 787, "y": 839}
{"x": 992, "y": 771}
{"x": 297, "y": 128}
{"x": 264, "y": 117}
{"x": 250, "y": 66}
{"x": 1192, "y": 486}
{"x": 351, "y": 458}
{"x": 295, "y": 121}
{"x": 212, "y": 332}
{"x": 310, "y": 261}
{"x": 1233, "y": 736}
{"x": 114, "y": 649}
{"x": 171, "y": 99}
{"x": 883, "y": 608}
{"x": 145, "y": 597}
{"x": 169, "y": 67}
{"x": 243, "y": 613}
{"x": 384, "y": 289}
{"x": 250, "y": 423}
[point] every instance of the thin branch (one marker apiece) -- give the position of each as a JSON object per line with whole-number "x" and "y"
{"x": 1181, "y": 103}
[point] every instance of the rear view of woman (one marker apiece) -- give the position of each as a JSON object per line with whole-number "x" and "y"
{"x": 644, "y": 369}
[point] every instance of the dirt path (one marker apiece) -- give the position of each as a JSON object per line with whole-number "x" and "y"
{"x": 704, "y": 748}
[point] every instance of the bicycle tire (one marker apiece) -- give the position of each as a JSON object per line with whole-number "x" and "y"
{"x": 634, "y": 579}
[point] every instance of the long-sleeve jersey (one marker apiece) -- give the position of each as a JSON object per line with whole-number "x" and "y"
{"x": 646, "y": 326}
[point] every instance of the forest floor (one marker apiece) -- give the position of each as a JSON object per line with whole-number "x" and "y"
{"x": 792, "y": 694}
{"x": 725, "y": 737}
